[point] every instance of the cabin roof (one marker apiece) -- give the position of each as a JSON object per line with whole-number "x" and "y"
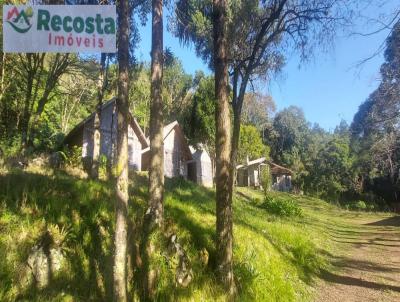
{"x": 132, "y": 121}
{"x": 275, "y": 168}
{"x": 167, "y": 131}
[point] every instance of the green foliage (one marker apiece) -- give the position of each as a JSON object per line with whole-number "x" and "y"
{"x": 358, "y": 205}
{"x": 104, "y": 166}
{"x": 282, "y": 207}
{"x": 41, "y": 100}
{"x": 366, "y": 206}
{"x": 376, "y": 128}
{"x": 199, "y": 121}
{"x": 79, "y": 214}
{"x": 73, "y": 156}
{"x": 266, "y": 179}
{"x": 251, "y": 144}
{"x": 140, "y": 92}
{"x": 288, "y": 136}
{"x": 176, "y": 86}
{"x": 10, "y": 146}
{"x": 331, "y": 173}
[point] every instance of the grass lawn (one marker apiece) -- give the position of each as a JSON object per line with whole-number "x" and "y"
{"x": 275, "y": 258}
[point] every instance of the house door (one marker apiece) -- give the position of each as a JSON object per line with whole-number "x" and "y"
{"x": 192, "y": 171}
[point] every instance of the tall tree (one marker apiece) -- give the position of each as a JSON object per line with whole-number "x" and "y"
{"x": 330, "y": 175}
{"x": 257, "y": 110}
{"x": 121, "y": 164}
{"x": 58, "y": 65}
{"x": 250, "y": 144}
{"x": 224, "y": 231}
{"x": 176, "y": 85}
{"x": 376, "y": 126}
{"x": 259, "y": 33}
{"x": 155, "y": 212}
{"x": 101, "y": 87}
{"x": 199, "y": 119}
{"x": 290, "y": 131}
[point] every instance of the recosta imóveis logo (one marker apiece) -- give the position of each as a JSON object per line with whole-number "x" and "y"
{"x": 20, "y": 20}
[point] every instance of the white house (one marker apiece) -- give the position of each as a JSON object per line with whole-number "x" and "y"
{"x": 249, "y": 175}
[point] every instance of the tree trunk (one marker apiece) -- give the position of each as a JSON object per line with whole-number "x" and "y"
{"x": 2, "y": 76}
{"x": 58, "y": 67}
{"x": 33, "y": 66}
{"x": 224, "y": 235}
{"x": 94, "y": 173}
{"x": 234, "y": 151}
{"x": 237, "y": 119}
{"x": 154, "y": 215}
{"x": 121, "y": 165}
{"x": 26, "y": 115}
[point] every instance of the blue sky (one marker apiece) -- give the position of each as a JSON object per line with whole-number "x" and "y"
{"x": 329, "y": 88}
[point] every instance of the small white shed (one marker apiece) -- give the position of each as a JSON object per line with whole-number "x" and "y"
{"x": 204, "y": 167}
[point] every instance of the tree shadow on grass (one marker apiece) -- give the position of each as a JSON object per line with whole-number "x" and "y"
{"x": 247, "y": 198}
{"x": 361, "y": 243}
{"x": 307, "y": 270}
{"x": 81, "y": 209}
{"x": 195, "y": 236}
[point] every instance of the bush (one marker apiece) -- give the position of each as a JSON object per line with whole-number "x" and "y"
{"x": 266, "y": 179}
{"x": 361, "y": 205}
{"x": 104, "y": 165}
{"x": 74, "y": 156}
{"x": 284, "y": 208}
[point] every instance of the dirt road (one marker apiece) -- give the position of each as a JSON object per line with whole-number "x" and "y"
{"x": 368, "y": 266}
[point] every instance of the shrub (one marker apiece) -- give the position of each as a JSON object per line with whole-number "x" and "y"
{"x": 361, "y": 205}
{"x": 266, "y": 179}
{"x": 74, "y": 156}
{"x": 104, "y": 165}
{"x": 284, "y": 207}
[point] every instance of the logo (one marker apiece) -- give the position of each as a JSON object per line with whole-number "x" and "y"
{"x": 20, "y": 20}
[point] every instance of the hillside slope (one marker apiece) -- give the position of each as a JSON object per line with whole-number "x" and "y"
{"x": 276, "y": 259}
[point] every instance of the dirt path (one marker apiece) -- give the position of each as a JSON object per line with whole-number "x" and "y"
{"x": 368, "y": 268}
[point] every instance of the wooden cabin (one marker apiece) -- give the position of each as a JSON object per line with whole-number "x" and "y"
{"x": 180, "y": 160}
{"x": 249, "y": 175}
{"x": 177, "y": 153}
{"x": 82, "y": 135}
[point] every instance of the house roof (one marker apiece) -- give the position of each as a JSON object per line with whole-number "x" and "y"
{"x": 132, "y": 121}
{"x": 257, "y": 161}
{"x": 251, "y": 163}
{"x": 168, "y": 130}
{"x": 275, "y": 168}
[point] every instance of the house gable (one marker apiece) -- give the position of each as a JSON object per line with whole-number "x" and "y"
{"x": 82, "y": 134}
{"x": 176, "y": 152}
{"x": 250, "y": 174}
